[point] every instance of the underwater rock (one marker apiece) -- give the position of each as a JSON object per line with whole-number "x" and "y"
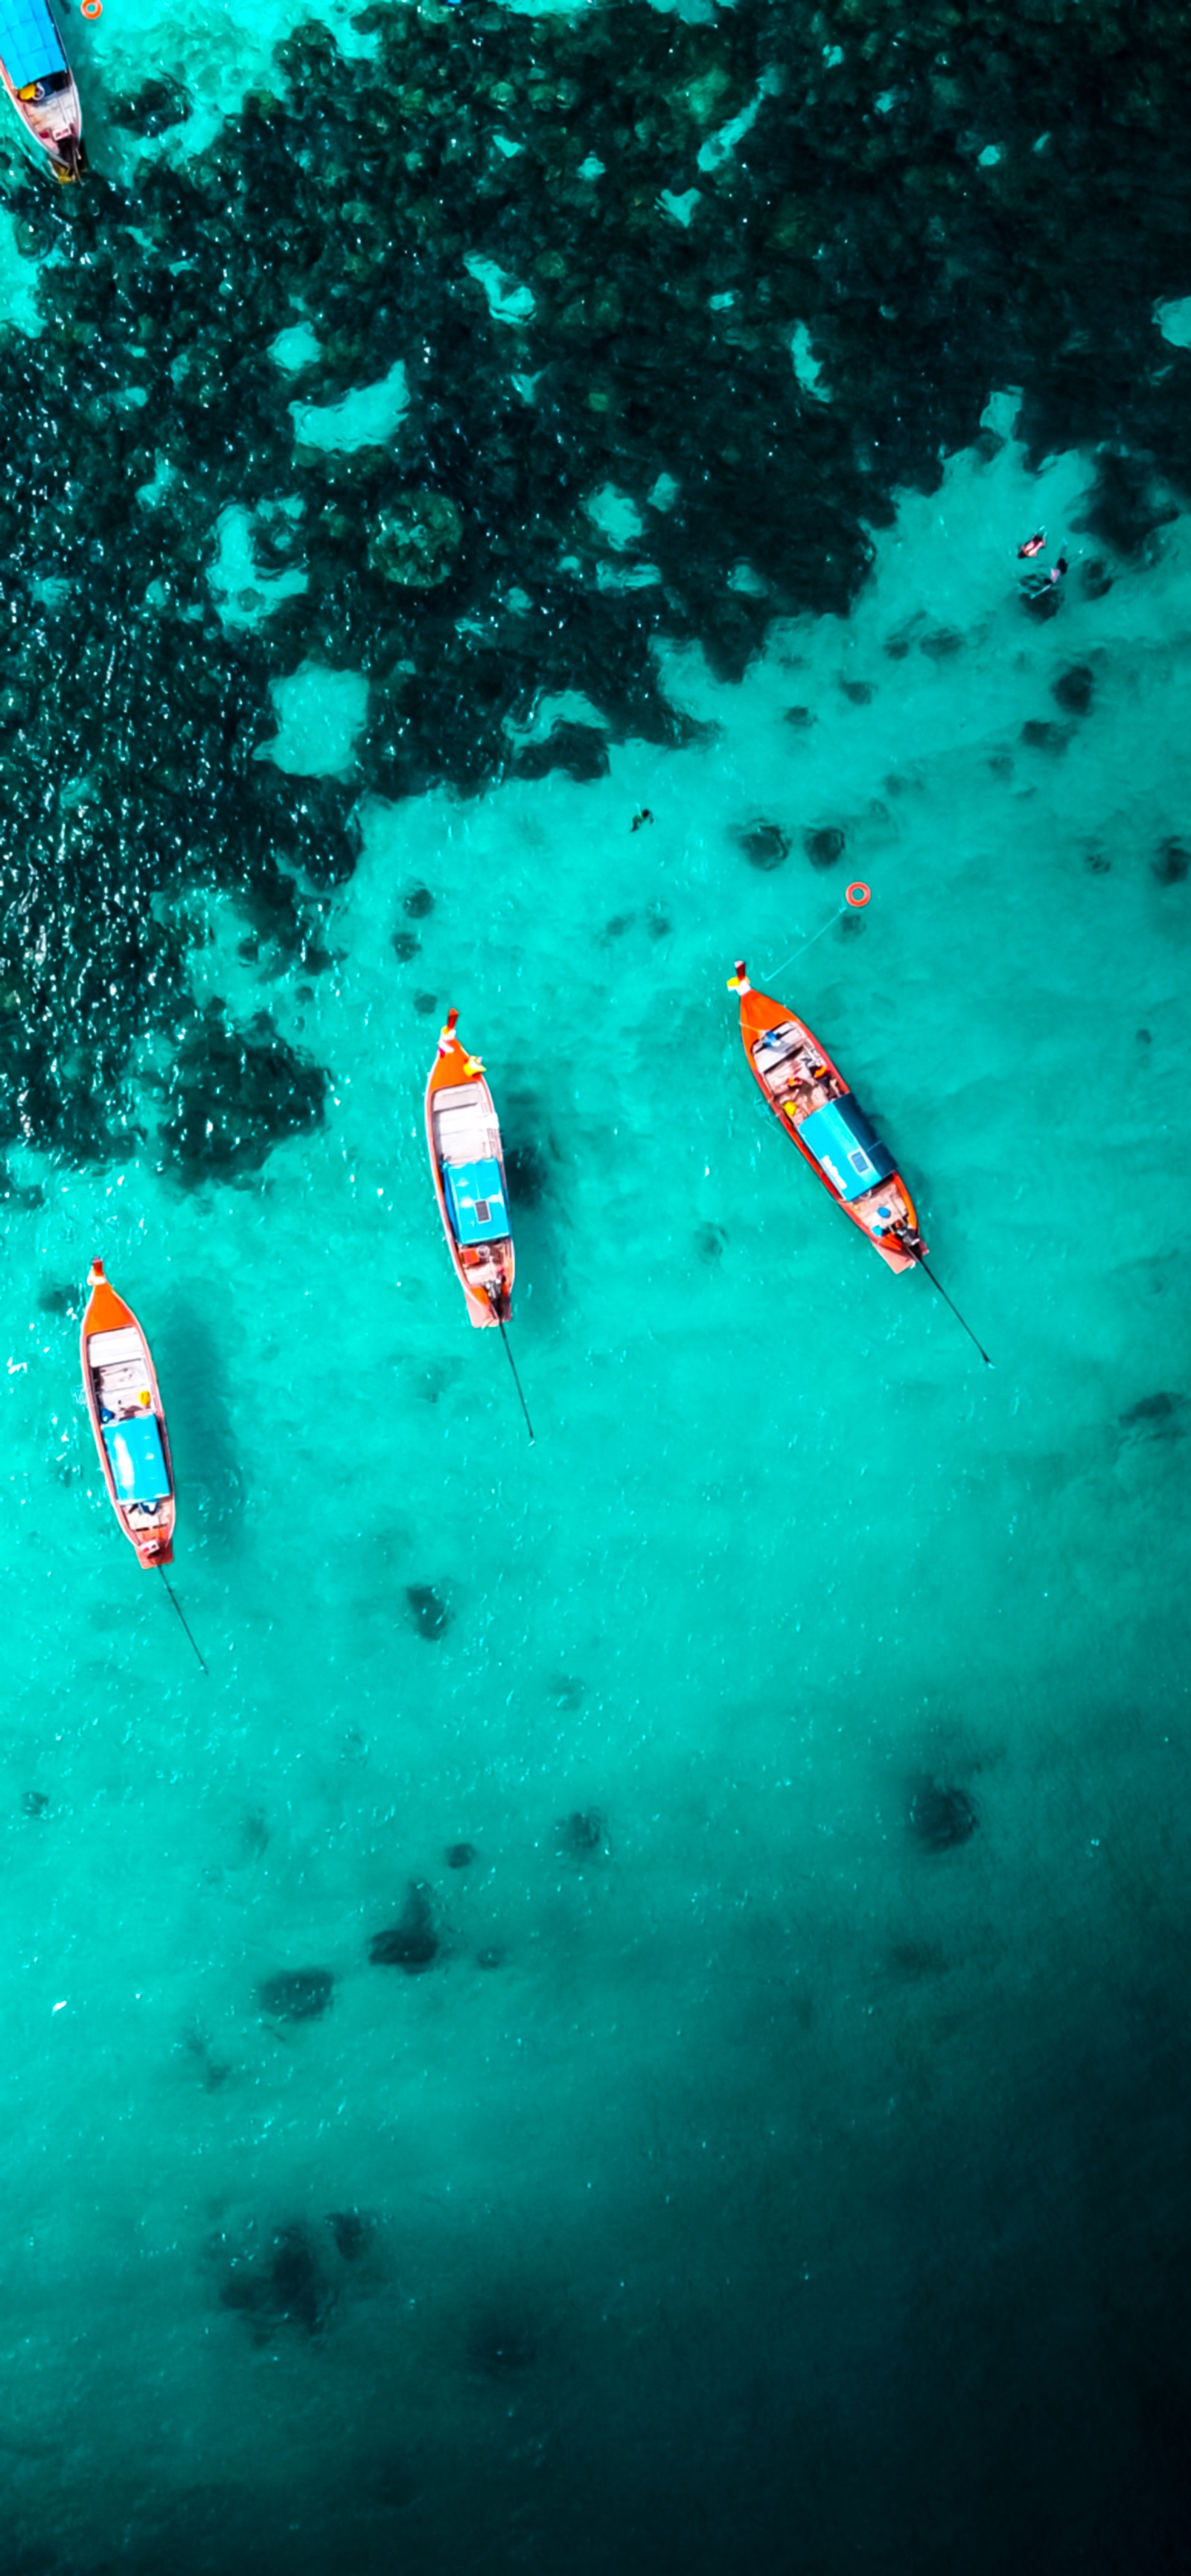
{"x": 460, "y": 1855}
{"x": 1041, "y": 735}
{"x": 153, "y": 108}
{"x": 1128, "y": 505}
{"x": 580, "y": 749}
{"x": 860, "y": 692}
{"x": 352, "y": 2233}
{"x": 1095, "y": 578}
{"x": 941, "y": 1817}
{"x": 800, "y": 719}
{"x": 1144, "y": 1037}
{"x": 286, "y": 2288}
{"x": 941, "y": 643}
{"x": 419, "y": 904}
{"x": 415, "y": 540}
{"x": 1074, "y": 689}
{"x": 492, "y": 1957}
{"x": 425, "y": 1004}
{"x": 412, "y": 1943}
{"x": 234, "y": 1092}
{"x": 427, "y": 1611}
{"x": 825, "y": 846}
{"x": 65, "y": 1300}
{"x": 1158, "y": 1414}
{"x": 35, "y": 1803}
{"x": 710, "y": 1241}
{"x": 1097, "y": 863}
{"x": 1172, "y": 862}
{"x": 581, "y": 1835}
{"x": 296, "y": 1994}
{"x": 765, "y": 845}
{"x": 405, "y": 945}
{"x": 567, "y": 1691}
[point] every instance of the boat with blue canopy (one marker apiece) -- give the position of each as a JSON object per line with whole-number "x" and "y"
{"x": 809, "y": 1096}
{"x": 124, "y": 1402}
{"x": 40, "y": 83}
{"x": 463, "y": 1136}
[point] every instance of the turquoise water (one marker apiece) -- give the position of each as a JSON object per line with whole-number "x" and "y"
{"x": 770, "y": 2167}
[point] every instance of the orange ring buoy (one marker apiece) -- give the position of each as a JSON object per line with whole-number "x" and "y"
{"x": 858, "y": 895}
{"x": 91, "y": 8}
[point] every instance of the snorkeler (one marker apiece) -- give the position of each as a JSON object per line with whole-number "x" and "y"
{"x": 641, "y": 816}
{"x": 1033, "y": 545}
{"x": 1039, "y": 585}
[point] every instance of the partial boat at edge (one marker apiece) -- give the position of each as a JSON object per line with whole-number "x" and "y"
{"x": 40, "y": 83}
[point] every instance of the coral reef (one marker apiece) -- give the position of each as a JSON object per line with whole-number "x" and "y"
{"x": 679, "y": 306}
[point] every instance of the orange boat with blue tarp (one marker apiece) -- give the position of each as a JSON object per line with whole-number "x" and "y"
{"x": 35, "y": 72}
{"x": 463, "y": 1135}
{"x": 809, "y": 1096}
{"x": 124, "y": 1402}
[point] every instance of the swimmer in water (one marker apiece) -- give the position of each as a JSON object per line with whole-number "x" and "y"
{"x": 641, "y": 816}
{"x": 1033, "y": 545}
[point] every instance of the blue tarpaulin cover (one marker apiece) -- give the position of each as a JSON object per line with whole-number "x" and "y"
{"x": 476, "y": 1200}
{"x": 137, "y": 1460}
{"x": 846, "y": 1147}
{"x": 29, "y": 46}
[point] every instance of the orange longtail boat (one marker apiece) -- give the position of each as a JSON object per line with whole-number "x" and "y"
{"x": 809, "y": 1096}
{"x": 463, "y": 1135}
{"x": 124, "y": 1402}
{"x": 35, "y": 72}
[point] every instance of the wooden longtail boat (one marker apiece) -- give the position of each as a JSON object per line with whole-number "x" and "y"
{"x": 124, "y": 1402}
{"x": 810, "y": 1097}
{"x": 38, "y": 79}
{"x": 463, "y": 1135}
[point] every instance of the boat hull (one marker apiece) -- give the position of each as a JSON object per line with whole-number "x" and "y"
{"x": 118, "y": 1365}
{"x": 42, "y": 90}
{"x": 884, "y": 1212}
{"x": 460, "y": 1113}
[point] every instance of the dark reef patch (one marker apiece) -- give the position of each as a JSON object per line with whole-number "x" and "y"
{"x": 1074, "y": 689}
{"x": 283, "y": 2287}
{"x": 412, "y": 1942}
{"x": 824, "y": 846}
{"x": 153, "y": 108}
{"x": 460, "y": 1855}
{"x": 427, "y": 1611}
{"x": 457, "y": 567}
{"x": 1171, "y": 862}
{"x": 296, "y": 1994}
{"x": 580, "y": 749}
{"x": 1039, "y": 734}
{"x": 941, "y": 1817}
{"x": 582, "y": 1835}
{"x": 1160, "y": 1416}
{"x": 765, "y": 845}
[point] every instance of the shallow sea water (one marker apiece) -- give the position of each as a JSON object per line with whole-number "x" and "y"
{"x": 746, "y": 2182}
